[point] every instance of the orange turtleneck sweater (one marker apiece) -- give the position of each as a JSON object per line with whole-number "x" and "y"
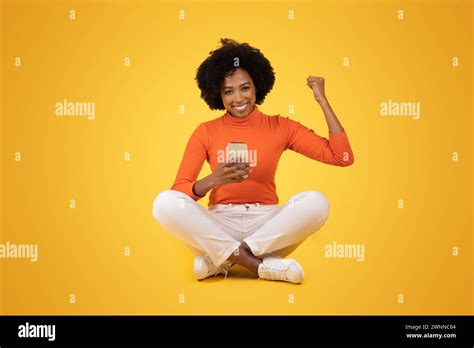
{"x": 267, "y": 137}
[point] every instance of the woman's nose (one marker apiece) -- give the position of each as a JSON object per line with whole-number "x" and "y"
{"x": 238, "y": 97}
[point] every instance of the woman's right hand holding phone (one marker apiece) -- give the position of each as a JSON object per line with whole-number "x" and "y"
{"x": 227, "y": 173}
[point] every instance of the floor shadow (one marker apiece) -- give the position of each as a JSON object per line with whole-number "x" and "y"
{"x": 236, "y": 271}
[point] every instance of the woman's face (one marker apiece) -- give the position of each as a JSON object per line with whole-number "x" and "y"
{"x": 238, "y": 90}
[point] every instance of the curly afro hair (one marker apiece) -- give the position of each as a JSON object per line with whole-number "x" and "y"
{"x": 222, "y": 62}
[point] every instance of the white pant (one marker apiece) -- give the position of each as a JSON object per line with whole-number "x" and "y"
{"x": 219, "y": 231}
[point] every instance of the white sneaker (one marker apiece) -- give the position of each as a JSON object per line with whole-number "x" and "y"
{"x": 204, "y": 268}
{"x": 278, "y": 268}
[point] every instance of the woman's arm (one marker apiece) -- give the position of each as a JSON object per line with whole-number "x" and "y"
{"x": 203, "y": 186}
{"x": 336, "y": 150}
{"x": 191, "y": 163}
{"x": 317, "y": 85}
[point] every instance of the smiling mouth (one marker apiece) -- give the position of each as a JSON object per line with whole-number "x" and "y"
{"x": 241, "y": 107}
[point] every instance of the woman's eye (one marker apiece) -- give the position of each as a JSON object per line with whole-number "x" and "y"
{"x": 244, "y": 89}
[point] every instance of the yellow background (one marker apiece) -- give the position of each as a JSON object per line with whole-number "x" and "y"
{"x": 81, "y": 251}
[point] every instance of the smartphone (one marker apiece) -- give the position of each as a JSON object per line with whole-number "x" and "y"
{"x": 237, "y": 152}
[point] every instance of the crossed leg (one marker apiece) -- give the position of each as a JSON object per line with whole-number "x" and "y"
{"x": 301, "y": 216}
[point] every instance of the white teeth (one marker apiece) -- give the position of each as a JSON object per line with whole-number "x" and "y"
{"x": 241, "y": 107}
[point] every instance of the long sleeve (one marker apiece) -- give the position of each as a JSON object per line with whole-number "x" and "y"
{"x": 335, "y": 151}
{"x": 194, "y": 156}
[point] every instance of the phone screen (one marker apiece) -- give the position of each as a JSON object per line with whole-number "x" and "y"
{"x": 237, "y": 152}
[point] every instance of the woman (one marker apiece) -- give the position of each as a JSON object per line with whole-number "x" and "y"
{"x": 244, "y": 224}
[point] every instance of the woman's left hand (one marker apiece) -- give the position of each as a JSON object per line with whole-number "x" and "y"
{"x": 316, "y": 83}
